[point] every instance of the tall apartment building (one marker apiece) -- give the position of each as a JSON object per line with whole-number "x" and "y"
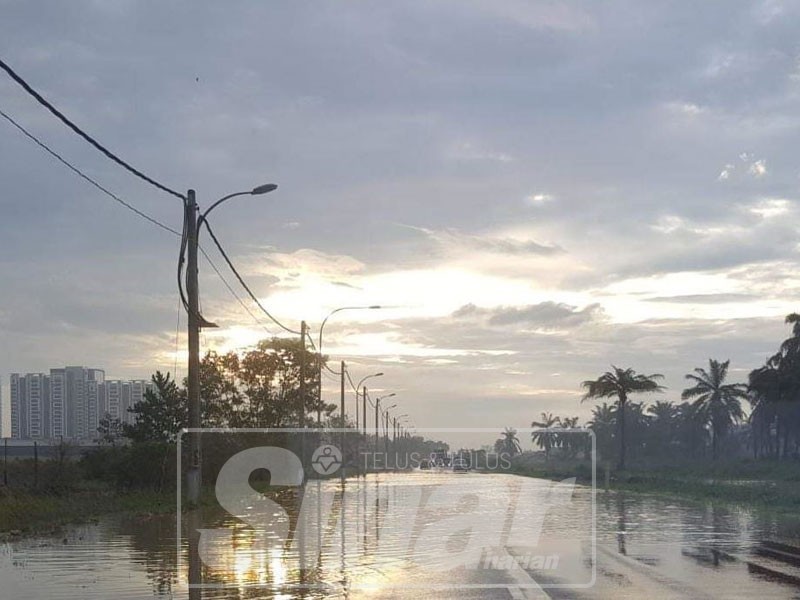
{"x": 30, "y": 406}
{"x": 70, "y": 402}
{"x": 124, "y": 395}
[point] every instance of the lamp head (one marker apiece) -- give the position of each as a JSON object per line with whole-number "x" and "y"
{"x": 264, "y": 189}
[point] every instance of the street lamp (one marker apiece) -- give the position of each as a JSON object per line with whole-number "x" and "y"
{"x": 385, "y": 413}
{"x": 321, "y": 329}
{"x": 364, "y": 397}
{"x": 195, "y": 323}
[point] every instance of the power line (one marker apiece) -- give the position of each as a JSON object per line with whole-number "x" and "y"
{"x": 82, "y": 175}
{"x": 39, "y": 98}
{"x": 234, "y": 294}
{"x": 242, "y": 282}
{"x": 133, "y": 209}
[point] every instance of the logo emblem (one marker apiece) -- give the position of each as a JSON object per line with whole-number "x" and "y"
{"x": 326, "y": 460}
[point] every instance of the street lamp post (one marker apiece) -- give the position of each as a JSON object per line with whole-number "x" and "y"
{"x": 321, "y": 329}
{"x": 364, "y": 397}
{"x": 386, "y": 429}
{"x": 195, "y": 323}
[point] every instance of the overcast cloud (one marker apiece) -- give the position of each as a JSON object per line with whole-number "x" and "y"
{"x": 540, "y": 189}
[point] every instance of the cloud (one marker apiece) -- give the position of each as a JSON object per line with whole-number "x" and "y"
{"x": 770, "y": 207}
{"x": 758, "y": 168}
{"x": 545, "y": 315}
{"x": 469, "y": 151}
{"x": 458, "y": 116}
{"x": 453, "y": 239}
{"x": 704, "y": 298}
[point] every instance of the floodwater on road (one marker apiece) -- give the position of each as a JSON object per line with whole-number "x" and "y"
{"x": 645, "y": 546}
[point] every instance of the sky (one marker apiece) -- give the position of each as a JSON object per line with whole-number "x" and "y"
{"x": 536, "y": 190}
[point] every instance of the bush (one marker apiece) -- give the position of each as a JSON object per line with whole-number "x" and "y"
{"x": 142, "y": 466}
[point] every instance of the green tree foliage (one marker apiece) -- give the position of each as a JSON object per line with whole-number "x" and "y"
{"x": 262, "y": 388}
{"x": 110, "y": 430}
{"x": 603, "y": 424}
{"x": 717, "y": 404}
{"x": 620, "y": 384}
{"x": 775, "y": 396}
{"x": 508, "y": 443}
{"x": 162, "y": 413}
{"x": 545, "y": 440}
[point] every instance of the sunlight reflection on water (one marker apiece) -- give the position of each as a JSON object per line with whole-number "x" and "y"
{"x": 135, "y": 558}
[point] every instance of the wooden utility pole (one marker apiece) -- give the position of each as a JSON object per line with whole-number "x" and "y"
{"x": 343, "y": 424}
{"x": 193, "y": 473}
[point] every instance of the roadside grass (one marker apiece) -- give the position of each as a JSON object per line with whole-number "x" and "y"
{"x": 28, "y": 511}
{"x": 774, "y": 485}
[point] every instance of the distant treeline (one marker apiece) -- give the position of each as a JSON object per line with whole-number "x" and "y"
{"x": 710, "y": 421}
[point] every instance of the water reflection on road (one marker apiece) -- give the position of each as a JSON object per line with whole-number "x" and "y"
{"x": 645, "y": 546}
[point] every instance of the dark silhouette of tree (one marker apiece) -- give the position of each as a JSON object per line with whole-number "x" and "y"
{"x": 110, "y": 430}
{"x": 261, "y": 387}
{"x": 162, "y": 413}
{"x": 570, "y": 443}
{"x": 620, "y": 384}
{"x": 717, "y": 403}
{"x": 691, "y": 432}
{"x": 775, "y": 394}
{"x": 544, "y": 439}
{"x": 508, "y": 442}
{"x": 663, "y": 421}
{"x": 603, "y": 423}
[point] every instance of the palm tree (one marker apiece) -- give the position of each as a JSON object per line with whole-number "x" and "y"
{"x": 717, "y": 402}
{"x": 662, "y": 424}
{"x": 691, "y": 433}
{"x": 619, "y": 384}
{"x": 765, "y": 390}
{"x": 776, "y": 392}
{"x": 545, "y": 439}
{"x": 602, "y": 424}
{"x": 570, "y": 442}
{"x": 510, "y": 442}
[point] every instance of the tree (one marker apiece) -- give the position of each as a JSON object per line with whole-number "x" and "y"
{"x": 620, "y": 384}
{"x": 570, "y": 442}
{"x": 691, "y": 433}
{"x": 508, "y": 442}
{"x": 775, "y": 392}
{"x": 717, "y": 403}
{"x": 261, "y": 387}
{"x": 545, "y": 439}
{"x": 603, "y": 421}
{"x": 110, "y": 430}
{"x": 765, "y": 395}
{"x": 162, "y": 413}
{"x": 663, "y": 416}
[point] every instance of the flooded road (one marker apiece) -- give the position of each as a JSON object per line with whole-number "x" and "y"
{"x": 645, "y": 546}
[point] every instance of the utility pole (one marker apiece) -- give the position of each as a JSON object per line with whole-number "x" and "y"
{"x": 302, "y": 374}
{"x": 303, "y": 393}
{"x": 319, "y": 391}
{"x": 193, "y": 473}
{"x": 364, "y": 405}
{"x": 377, "y": 435}
{"x": 344, "y": 423}
{"x": 363, "y": 419}
{"x": 358, "y": 412}
{"x": 386, "y": 435}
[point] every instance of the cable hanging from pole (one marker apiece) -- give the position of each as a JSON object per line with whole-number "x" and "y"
{"x": 39, "y": 98}
{"x": 242, "y": 282}
{"x": 84, "y": 176}
{"x": 136, "y": 211}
